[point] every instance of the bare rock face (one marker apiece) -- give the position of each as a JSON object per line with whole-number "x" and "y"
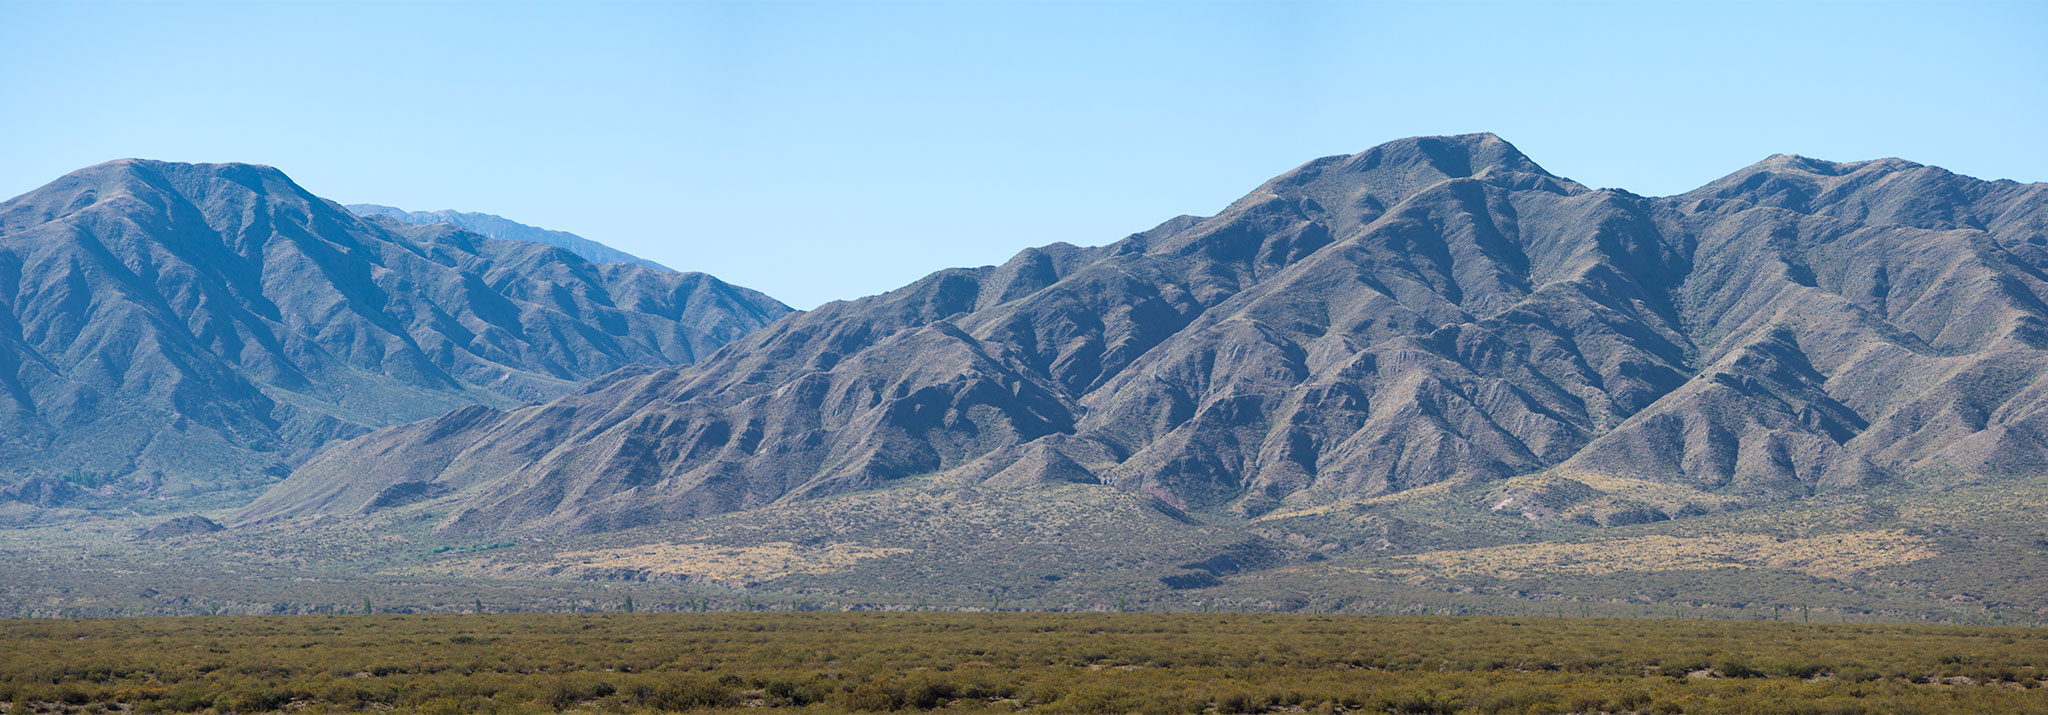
{"x": 178, "y": 331}
{"x": 1432, "y": 310}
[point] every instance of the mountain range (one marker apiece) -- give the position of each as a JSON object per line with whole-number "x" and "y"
{"x": 1428, "y": 377}
{"x": 182, "y": 334}
{"x": 507, "y": 229}
{"x": 1436, "y": 313}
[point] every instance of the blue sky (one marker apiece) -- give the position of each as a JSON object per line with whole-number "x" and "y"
{"x": 830, "y": 150}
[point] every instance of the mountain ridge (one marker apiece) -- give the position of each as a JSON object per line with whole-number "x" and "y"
{"x": 172, "y": 331}
{"x": 1431, "y": 310}
{"x": 506, "y": 229}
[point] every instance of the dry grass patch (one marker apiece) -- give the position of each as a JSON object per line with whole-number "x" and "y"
{"x": 1439, "y": 489}
{"x": 763, "y": 562}
{"x": 1643, "y": 490}
{"x": 1828, "y": 556}
{"x": 682, "y": 560}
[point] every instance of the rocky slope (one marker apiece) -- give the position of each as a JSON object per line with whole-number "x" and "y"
{"x": 503, "y": 228}
{"x": 175, "y": 330}
{"x": 1431, "y": 311}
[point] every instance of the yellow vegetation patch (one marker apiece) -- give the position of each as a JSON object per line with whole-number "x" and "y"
{"x": 1426, "y": 490}
{"x": 1830, "y": 556}
{"x": 764, "y": 562}
{"x": 1642, "y": 489}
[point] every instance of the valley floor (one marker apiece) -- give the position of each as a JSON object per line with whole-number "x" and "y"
{"x": 1956, "y": 555}
{"x": 1163, "y": 663}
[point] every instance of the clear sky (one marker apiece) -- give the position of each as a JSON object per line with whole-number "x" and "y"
{"x": 830, "y": 150}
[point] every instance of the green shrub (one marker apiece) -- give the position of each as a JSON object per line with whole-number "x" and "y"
{"x": 1172, "y": 703}
{"x": 1733, "y": 668}
{"x": 1239, "y": 702}
{"x": 447, "y": 706}
{"x": 690, "y": 694}
{"x": 1800, "y": 669}
{"x": 1425, "y": 703}
{"x": 1095, "y": 699}
{"x": 564, "y": 696}
{"x": 790, "y": 692}
{"x": 1183, "y": 663}
{"x": 70, "y": 695}
{"x": 928, "y": 694}
{"x": 875, "y": 696}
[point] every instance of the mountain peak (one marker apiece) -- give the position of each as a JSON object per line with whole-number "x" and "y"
{"x": 1357, "y": 187}
{"x": 190, "y": 179}
{"x": 157, "y": 168}
{"x": 1889, "y": 191}
{"x": 1796, "y": 163}
{"x": 1454, "y": 156}
{"x": 132, "y": 177}
{"x": 1402, "y": 166}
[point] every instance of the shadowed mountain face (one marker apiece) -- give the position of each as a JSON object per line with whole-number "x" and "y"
{"x": 169, "y": 330}
{"x": 1433, "y": 310}
{"x": 507, "y": 229}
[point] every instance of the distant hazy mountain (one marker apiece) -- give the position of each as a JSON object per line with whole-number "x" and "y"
{"x": 507, "y": 229}
{"x": 175, "y": 330}
{"x": 1433, "y": 311}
